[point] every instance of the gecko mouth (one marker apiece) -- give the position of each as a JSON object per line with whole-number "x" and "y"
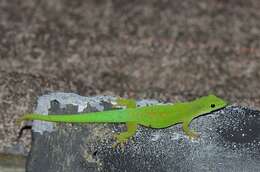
{"x": 215, "y": 110}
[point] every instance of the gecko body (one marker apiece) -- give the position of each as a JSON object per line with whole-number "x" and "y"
{"x": 155, "y": 116}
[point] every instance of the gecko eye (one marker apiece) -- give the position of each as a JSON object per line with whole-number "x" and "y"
{"x": 212, "y": 105}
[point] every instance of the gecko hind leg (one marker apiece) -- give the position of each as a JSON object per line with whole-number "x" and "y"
{"x": 123, "y": 137}
{"x": 129, "y": 103}
{"x": 191, "y": 134}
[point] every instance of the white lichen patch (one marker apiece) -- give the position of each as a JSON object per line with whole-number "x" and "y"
{"x": 147, "y": 102}
{"x": 43, "y": 105}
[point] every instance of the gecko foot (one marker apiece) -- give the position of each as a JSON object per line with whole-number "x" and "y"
{"x": 121, "y": 139}
{"x": 193, "y": 135}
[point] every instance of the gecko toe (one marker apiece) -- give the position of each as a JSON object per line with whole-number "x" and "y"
{"x": 194, "y": 136}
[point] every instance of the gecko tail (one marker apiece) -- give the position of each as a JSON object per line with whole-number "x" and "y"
{"x": 104, "y": 116}
{"x": 26, "y": 117}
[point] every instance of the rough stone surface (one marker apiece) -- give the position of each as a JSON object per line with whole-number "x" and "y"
{"x": 171, "y": 50}
{"x": 18, "y": 94}
{"x": 230, "y": 141}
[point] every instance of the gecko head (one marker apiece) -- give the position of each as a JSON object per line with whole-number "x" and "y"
{"x": 211, "y": 103}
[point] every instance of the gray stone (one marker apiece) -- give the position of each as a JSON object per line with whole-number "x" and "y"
{"x": 229, "y": 141}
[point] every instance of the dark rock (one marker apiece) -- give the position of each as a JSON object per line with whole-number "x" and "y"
{"x": 229, "y": 141}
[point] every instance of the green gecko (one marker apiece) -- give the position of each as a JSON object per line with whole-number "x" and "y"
{"x": 155, "y": 116}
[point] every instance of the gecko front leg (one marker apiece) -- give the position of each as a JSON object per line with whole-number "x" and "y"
{"x": 190, "y": 133}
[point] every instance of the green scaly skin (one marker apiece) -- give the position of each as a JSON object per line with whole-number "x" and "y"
{"x": 156, "y": 116}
